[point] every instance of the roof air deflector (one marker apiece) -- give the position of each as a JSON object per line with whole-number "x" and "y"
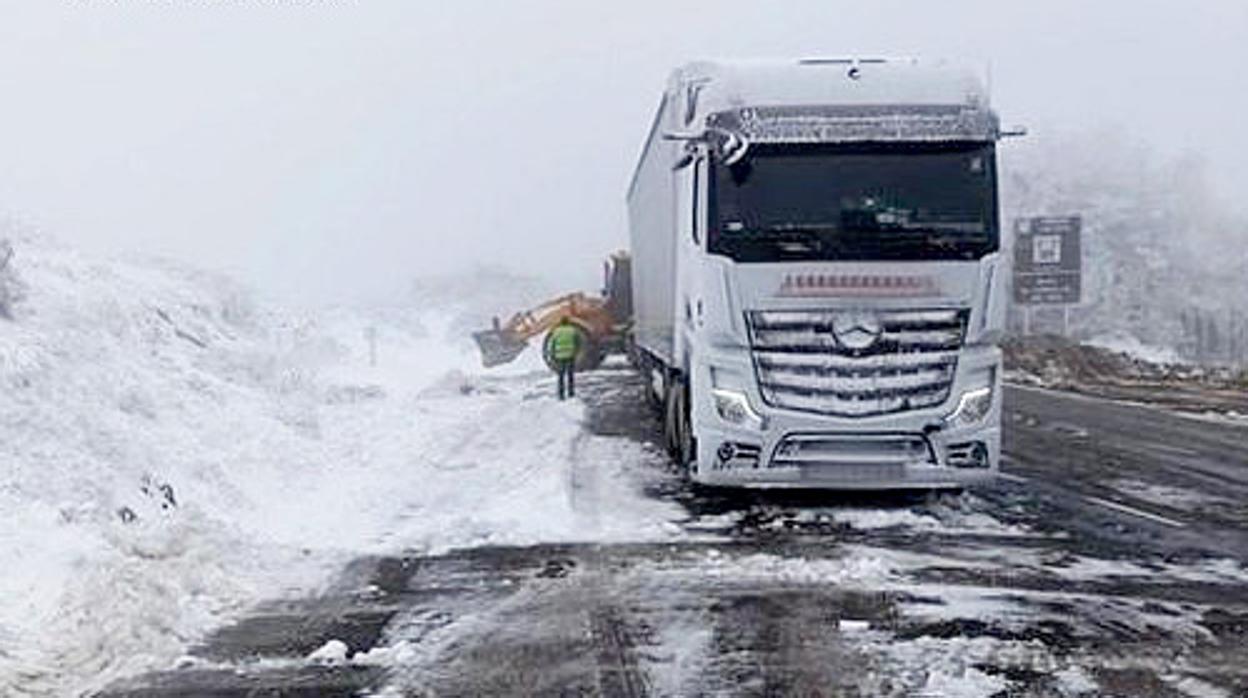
{"x": 841, "y": 61}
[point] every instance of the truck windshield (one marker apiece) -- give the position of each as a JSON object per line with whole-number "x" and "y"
{"x": 855, "y": 202}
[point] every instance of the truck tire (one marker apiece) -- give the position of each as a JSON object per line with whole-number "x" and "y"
{"x": 677, "y": 429}
{"x": 654, "y": 400}
{"x": 588, "y": 356}
{"x": 669, "y": 418}
{"x": 647, "y": 368}
{"x": 686, "y": 442}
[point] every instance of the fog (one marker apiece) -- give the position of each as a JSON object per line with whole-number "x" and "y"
{"x": 332, "y": 150}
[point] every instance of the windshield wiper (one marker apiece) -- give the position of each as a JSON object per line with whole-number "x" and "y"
{"x": 833, "y": 241}
{"x": 933, "y": 240}
{"x": 786, "y": 239}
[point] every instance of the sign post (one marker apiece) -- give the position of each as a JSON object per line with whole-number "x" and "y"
{"x": 1048, "y": 264}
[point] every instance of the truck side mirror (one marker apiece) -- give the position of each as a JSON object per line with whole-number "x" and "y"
{"x": 732, "y": 147}
{"x": 686, "y": 136}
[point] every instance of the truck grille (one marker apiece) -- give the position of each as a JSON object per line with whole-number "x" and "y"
{"x": 871, "y": 456}
{"x": 856, "y": 363}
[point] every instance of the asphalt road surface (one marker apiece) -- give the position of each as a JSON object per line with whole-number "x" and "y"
{"x": 1108, "y": 561}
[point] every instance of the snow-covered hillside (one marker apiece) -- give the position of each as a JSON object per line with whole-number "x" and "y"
{"x": 171, "y": 453}
{"x": 1165, "y": 261}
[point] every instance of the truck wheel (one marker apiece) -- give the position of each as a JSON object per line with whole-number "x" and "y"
{"x": 678, "y": 433}
{"x": 648, "y": 369}
{"x": 654, "y": 400}
{"x": 669, "y": 418}
{"x": 686, "y": 444}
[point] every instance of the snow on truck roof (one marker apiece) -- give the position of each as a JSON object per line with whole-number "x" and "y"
{"x": 823, "y": 100}
{"x": 724, "y": 85}
{"x": 834, "y": 100}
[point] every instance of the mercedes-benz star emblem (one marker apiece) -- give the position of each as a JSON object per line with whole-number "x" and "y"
{"x": 856, "y": 330}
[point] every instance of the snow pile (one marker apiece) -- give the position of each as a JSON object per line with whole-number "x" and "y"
{"x": 1054, "y": 361}
{"x": 1180, "y": 498}
{"x": 172, "y": 453}
{"x": 951, "y": 516}
{"x": 133, "y": 402}
{"x": 332, "y": 652}
{"x": 1123, "y": 343}
{"x": 860, "y": 567}
{"x": 398, "y": 654}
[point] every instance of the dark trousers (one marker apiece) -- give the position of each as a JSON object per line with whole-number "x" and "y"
{"x": 567, "y": 378}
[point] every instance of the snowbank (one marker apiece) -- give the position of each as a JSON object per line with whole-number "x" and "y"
{"x": 172, "y": 453}
{"x": 1134, "y": 348}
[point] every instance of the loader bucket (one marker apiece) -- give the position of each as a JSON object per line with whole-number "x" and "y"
{"x": 498, "y": 347}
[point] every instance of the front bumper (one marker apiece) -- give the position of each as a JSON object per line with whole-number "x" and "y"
{"x": 908, "y": 450}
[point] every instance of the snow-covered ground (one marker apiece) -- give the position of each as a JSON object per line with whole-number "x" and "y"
{"x": 1131, "y": 346}
{"x": 172, "y": 452}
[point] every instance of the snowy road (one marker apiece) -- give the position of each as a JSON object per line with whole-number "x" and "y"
{"x": 1110, "y": 562}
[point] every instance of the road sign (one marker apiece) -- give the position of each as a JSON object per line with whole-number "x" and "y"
{"x": 1047, "y": 260}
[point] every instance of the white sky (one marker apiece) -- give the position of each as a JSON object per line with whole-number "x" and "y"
{"x": 327, "y": 148}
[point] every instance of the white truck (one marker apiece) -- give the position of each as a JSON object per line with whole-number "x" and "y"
{"x": 818, "y": 284}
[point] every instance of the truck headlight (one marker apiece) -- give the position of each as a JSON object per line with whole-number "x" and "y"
{"x": 972, "y": 407}
{"x": 735, "y": 408}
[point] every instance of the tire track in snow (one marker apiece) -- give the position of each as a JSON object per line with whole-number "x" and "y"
{"x": 618, "y": 673}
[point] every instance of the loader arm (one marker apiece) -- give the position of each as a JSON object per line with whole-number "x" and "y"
{"x": 503, "y": 343}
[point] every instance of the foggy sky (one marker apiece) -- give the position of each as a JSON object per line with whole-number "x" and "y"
{"x": 326, "y": 149}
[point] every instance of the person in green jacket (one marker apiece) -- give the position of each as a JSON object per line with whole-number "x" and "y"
{"x": 565, "y": 342}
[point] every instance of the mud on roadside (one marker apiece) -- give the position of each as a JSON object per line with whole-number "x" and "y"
{"x": 1051, "y": 361}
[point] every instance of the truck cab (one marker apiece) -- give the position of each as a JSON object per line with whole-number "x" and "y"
{"x": 818, "y": 284}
